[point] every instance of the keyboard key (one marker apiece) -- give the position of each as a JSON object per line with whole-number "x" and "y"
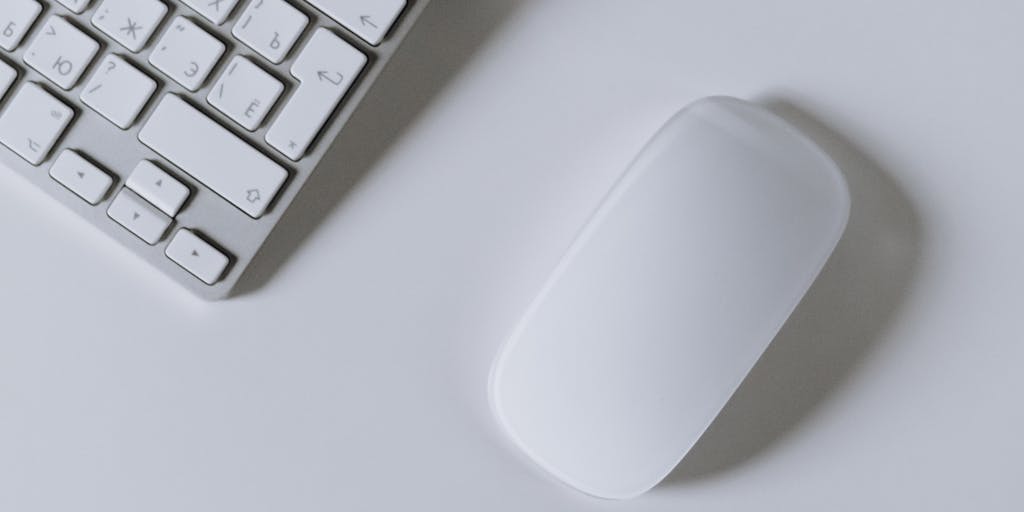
{"x": 371, "y": 20}
{"x": 16, "y": 17}
{"x": 118, "y": 91}
{"x": 61, "y": 52}
{"x": 81, "y": 177}
{"x": 197, "y": 256}
{"x": 130, "y": 22}
{"x": 187, "y": 53}
{"x": 216, "y": 11}
{"x": 32, "y": 123}
{"x": 75, "y": 6}
{"x": 245, "y": 93}
{"x": 7, "y": 77}
{"x": 326, "y": 69}
{"x": 271, "y": 27}
{"x": 139, "y": 217}
{"x": 213, "y": 155}
{"x": 158, "y": 187}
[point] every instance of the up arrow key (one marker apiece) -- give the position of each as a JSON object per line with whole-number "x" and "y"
{"x": 158, "y": 187}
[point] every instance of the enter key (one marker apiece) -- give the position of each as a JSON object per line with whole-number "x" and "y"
{"x": 326, "y": 69}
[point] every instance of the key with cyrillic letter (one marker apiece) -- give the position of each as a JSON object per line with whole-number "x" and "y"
{"x": 32, "y": 123}
{"x": 16, "y": 19}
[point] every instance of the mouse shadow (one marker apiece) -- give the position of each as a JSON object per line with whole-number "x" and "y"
{"x": 446, "y": 37}
{"x": 841, "y": 319}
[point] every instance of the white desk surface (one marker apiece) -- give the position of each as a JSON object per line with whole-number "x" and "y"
{"x": 353, "y": 378}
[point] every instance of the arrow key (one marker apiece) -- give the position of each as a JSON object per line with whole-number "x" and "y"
{"x": 139, "y": 217}
{"x": 158, "y": 187}
{"x": 199, "y": 257}
{"x": 81, "y": 176}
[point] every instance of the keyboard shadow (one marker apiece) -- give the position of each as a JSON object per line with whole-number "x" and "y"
{"x": 843, "y": 317}
{"x": 447, "y": 36}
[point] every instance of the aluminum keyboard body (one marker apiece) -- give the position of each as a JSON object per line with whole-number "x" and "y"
{"x": 206, "y": 216}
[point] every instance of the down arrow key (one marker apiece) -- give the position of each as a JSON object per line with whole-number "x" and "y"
{"x": 141, "y": 218}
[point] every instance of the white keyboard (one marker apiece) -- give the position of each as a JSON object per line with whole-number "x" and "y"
{"x": 185, "y": 128}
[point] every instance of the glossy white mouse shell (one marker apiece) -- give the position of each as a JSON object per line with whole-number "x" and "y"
{"x": 668, "y": 297}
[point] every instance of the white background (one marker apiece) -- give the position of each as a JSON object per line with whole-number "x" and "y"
{"x": 351, "y": 374}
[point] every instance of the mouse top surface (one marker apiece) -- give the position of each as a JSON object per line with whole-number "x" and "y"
{"x": 668, "y": 297}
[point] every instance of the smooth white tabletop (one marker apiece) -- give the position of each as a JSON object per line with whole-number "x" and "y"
{"x": 354, "y": 377}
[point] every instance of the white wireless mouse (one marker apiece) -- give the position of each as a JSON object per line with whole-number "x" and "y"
{"x": 668, "y": 297}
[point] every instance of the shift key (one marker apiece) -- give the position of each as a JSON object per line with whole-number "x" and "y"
{"x": 213, "y": 155}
